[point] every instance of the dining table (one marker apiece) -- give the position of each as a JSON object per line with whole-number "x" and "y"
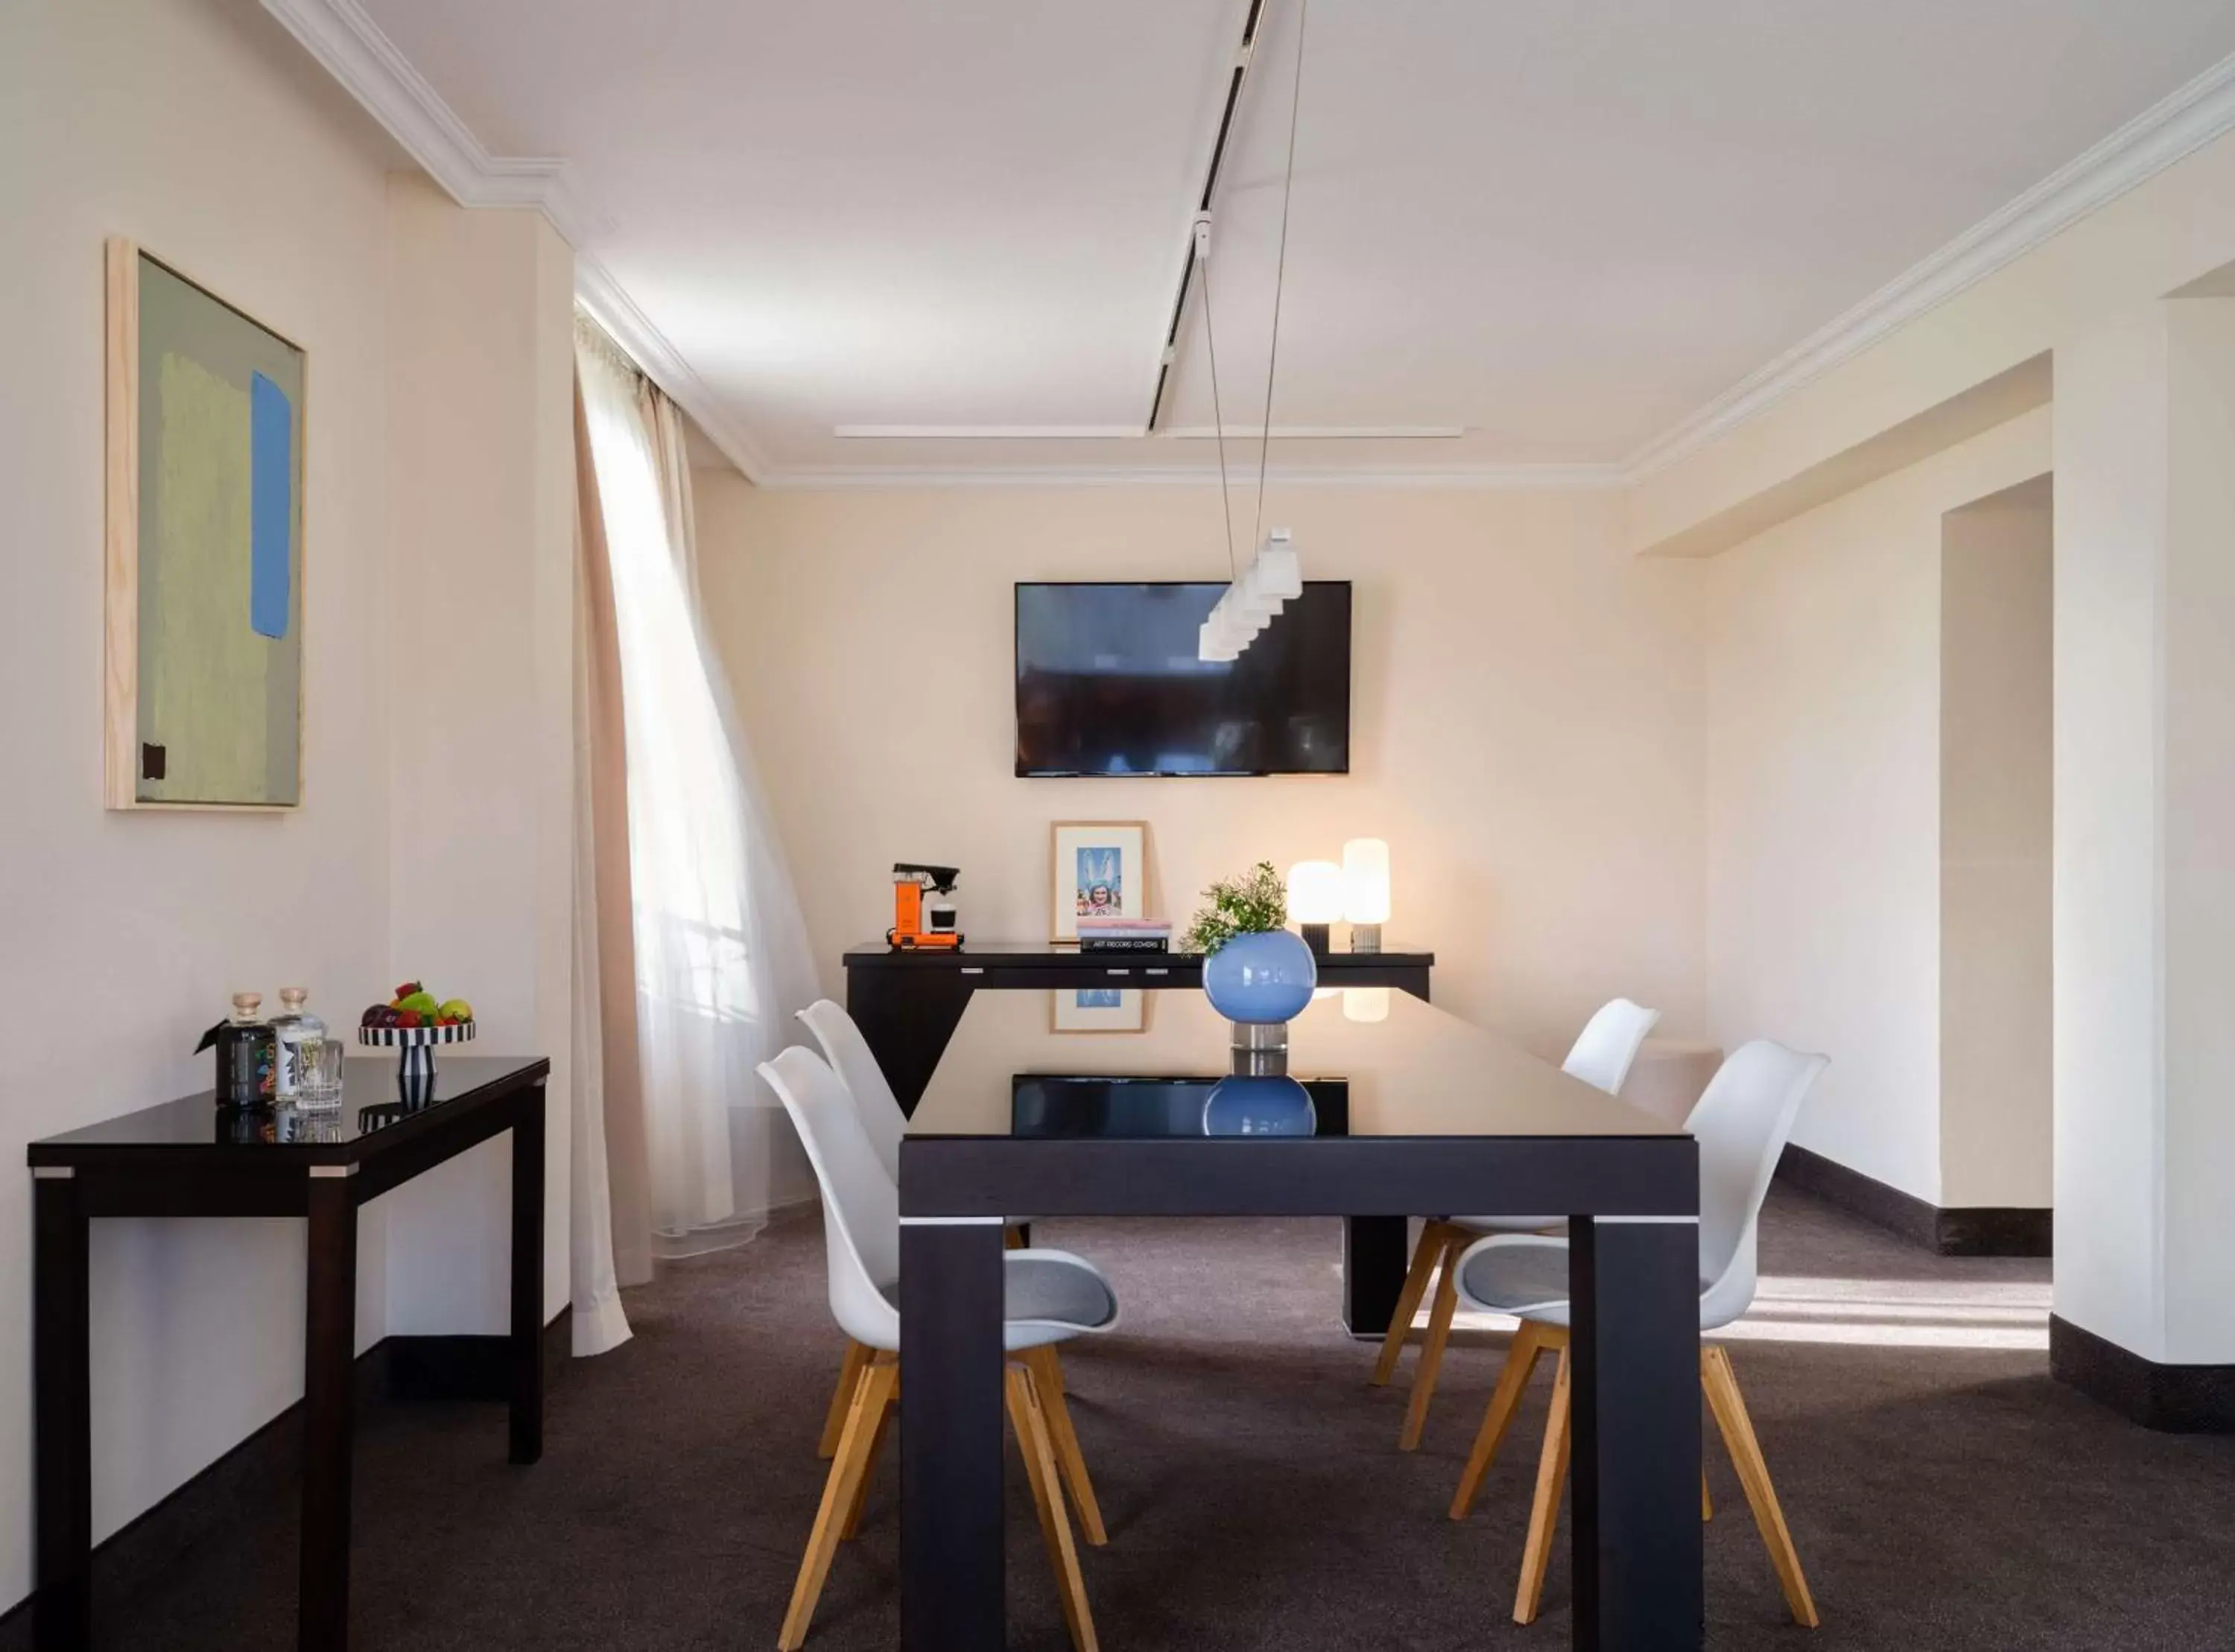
{"x": 1397, "y": 1109}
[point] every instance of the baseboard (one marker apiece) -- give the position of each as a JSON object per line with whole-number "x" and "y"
{"x": 195, "y": 1514}
{"x": 1964, "y": 1230}
{"x": 462, "y": 1367}
{"x": 2173, "y": 1398}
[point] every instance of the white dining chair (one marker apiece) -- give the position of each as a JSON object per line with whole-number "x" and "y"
{"x": 1742, "y": 1123}
{"x": 1049, "y": 1296}
{"x": 1601, "y": 1057}
{"x": 879, "y": 1109}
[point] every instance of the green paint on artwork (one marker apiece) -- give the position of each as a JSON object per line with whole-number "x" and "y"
{"x": 209, "y": 672}
{"x": 222, "y": 700}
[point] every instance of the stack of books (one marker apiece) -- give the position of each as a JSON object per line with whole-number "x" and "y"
{"x": 1125, "y": 935}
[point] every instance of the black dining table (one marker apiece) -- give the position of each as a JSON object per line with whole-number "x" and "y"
{"x": 1418, "y": 1113}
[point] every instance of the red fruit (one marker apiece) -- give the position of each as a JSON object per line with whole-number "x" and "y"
{"x": 407, "y": 1018}
{"x": 408, "y": 989}
{"x": 371, "y": 1018}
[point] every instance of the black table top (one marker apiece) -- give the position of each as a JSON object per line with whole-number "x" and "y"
{"x": 373, "y": 1116}
{"x": 1412, "y": 1070}
{"x": 1027, "y": 953}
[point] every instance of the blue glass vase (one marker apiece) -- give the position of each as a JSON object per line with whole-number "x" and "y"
{"x": 1262, "y": 977}
{"x": 1244, "y": 1105}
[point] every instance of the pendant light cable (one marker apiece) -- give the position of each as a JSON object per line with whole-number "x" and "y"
{"x": 1217, "y": 412}
{"x": 1280, "y": 273}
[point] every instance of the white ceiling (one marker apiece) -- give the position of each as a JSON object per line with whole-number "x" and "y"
{"x": 1562, "y": 225}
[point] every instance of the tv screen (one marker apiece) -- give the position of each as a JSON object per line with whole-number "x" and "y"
{"x": 1108, "y": 683}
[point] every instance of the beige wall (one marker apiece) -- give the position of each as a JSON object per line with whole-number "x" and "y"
{"x": 481, "y": 746}
{"x": 1823, "y": 776}
{"x": 199, "y": 129}
{"x": 1526, "y": 721}
{"x": 1994, "y": 851}
{"x": 186, "y": 128}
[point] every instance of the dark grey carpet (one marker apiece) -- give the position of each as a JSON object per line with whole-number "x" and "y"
{"x": 1941, "y": 1497}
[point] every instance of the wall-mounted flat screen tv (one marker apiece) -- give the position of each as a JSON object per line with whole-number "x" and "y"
{"x": 1108, "y": 683}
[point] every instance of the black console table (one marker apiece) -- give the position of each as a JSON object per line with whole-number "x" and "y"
{"x": 191, "y": 1158}
{"x": 907, "y": 1004}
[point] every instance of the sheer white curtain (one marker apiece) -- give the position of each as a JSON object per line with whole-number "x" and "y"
{"x": 722, "y": 958}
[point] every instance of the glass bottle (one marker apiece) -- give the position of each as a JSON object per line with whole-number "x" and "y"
{"x": 248, "y": 1069}
{"x": 302, "y": 1038}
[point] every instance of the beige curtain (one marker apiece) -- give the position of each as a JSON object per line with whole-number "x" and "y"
{"x": 603, "y": 764}
{"x": 672, "y": 454}
{"x": 721, "y": 960}
{"x": 599, "y": 1322}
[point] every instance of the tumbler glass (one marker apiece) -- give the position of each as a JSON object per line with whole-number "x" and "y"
{"x": 319, "y": 1089}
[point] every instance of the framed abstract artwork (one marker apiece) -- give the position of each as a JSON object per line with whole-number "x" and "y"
{"x": 1101, "y": 870}
{"x": 1099, "y": 1010}
{"x": 204, "y": 554}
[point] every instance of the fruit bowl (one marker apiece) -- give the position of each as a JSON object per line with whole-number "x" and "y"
{"x": 417, "y": 1043}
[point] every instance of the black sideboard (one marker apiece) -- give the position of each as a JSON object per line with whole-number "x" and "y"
{"x": 908, "y": 1003}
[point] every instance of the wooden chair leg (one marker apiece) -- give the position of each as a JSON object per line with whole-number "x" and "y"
{"x": 1408, "y": 1299}
{"x": 1013, "y": 1238}
{"x": 1026, "y": 1416}
{"x": 841, "y": 1397}
{"x": 1706, "y": 1502}
{"x": 872, "y": 1394}
{"x": 1529, "y": 1341}
{"x": 1439, "y": 1333}
{"x": 1721, "y": 1384}
{"x": 1544, "y": 1511}
{"x": 853, "y": 1526}
{"x": 1046, "y": 1371}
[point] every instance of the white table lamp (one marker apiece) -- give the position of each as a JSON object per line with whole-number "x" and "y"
{"x": 1366, "y": 891}
{"x": 1315, "y": 895}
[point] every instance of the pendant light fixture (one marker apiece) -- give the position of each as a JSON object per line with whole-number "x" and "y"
{"x": 1254, "y": 595}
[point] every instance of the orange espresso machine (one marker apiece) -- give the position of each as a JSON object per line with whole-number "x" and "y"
{"x": 920, "y": 919}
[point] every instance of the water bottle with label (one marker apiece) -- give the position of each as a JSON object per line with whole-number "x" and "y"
{"x": 302, "y": 1039}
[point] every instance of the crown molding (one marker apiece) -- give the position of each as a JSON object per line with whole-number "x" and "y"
{"x": 610, "y": 305}
{"x": 1137, "y": 432}
{"x": 1530, "y": 477}
{"x": 370, "y": 67}
{"x": 2166, "y": 132}
{"x": 353, "y": 49}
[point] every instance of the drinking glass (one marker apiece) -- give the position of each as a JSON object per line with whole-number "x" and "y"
{"x": 320, "y": 1087}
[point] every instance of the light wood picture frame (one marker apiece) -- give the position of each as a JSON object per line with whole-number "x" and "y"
{"x": 203, "y": 554}
{"x": 1096, "y": 866}
{"x": 1099, "y": 1010}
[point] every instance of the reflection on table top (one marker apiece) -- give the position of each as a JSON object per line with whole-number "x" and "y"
{"x": 1418, "y": 1072}
{"x": 371, "y": 1102}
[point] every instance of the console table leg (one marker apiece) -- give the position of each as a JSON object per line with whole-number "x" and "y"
{"x": 527, "y": 1350}
{"x": 329, "y": 1357}
{"x": 61, "y": 1613}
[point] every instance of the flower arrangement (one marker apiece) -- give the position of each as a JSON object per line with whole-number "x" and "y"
{"x": 1251, "y": 904}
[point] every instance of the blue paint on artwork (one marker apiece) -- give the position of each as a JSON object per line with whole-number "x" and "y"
{"x": 271, "y": 505}
{"x": 1100, "y": 997}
